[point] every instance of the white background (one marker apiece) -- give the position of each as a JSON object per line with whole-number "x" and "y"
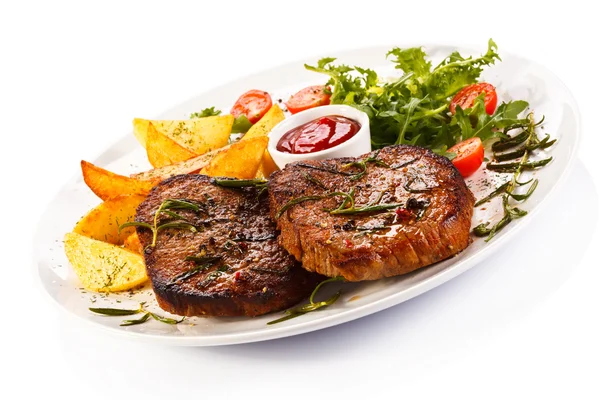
{"x": 524, "y": 324}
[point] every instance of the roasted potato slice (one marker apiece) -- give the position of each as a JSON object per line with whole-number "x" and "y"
{"x": 193, "y": 165}
{"x": 132, "y": 243}
{"x": 107, "y": 185}
{"x": 267, "y": 166}
{"x": 104, "y": 267}
{"x": 241, "y": 160}
{"x": 163, "y": 151}
{"x": 102, "y": 223}
{"x": 199, "y": 135}
{"x": 266, "y": 123}
{"x": 262, "y": 128}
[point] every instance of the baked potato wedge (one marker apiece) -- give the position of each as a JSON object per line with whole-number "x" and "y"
{"x": 132, "y": 243}
{"x": 262, "y": 128}
{"x": 199, "y": 135}
{"x": 107, "y": 185}
{"x": 193, "y": 165}
{"x": 102, "y": 223}
{"x": 266, "y": 123}
{"x": 240, "y": 161}
{"x": 104, "y": 267}
{"x": 163, "y": 151}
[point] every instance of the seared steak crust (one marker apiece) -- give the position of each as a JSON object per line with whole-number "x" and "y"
{"x": 431, "y": 223}
{"x": 252, "y": 273}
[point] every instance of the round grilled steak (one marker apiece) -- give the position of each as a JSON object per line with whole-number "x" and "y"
{"x": 424, "y": 214}
{"x": 239, "y": 268}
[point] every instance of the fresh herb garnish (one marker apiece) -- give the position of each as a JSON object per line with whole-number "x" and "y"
{"x": 210, "y": 278}
{"x": 207, "y": 112}
{"x": 165, "y": 208}
{"x": 347, "y": 207}
{"x": 312, "y": 305}
{"x": 138, "y": 321}
{"x": 188, "y": 274}
{"x": 323, "y": 169}
{"x": 408, "y": 186}
{"x": 202, "y": 263}
{"x": 518, "y": 166}
{"x": 297, "y": 200}
{"x": 241, "y": 124}
{"x": 314, "y": 180}
{"x": 507, "y": 189}
{"x": 498, "y": 191}
{"x": 123, "y": 312}
{"x": 362, "y": 165}
{"x": 240, "y": 183}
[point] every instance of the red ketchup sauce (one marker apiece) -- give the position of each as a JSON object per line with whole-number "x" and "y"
{"x": 320, "y": 134}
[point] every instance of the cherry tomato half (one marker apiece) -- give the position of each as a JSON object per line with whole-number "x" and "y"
{"x": 253, "y": 104}
{"x": 467, "y": 95}
{"x": 469, "y": 156}
{"x": 309, "y": 97}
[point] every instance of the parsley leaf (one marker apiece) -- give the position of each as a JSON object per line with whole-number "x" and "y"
{"x": 207, "y": 112}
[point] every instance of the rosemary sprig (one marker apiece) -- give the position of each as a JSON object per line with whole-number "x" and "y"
{"x": 202, "y": 263}
{"x": 532, "y": 143}
{"x": 498, "y": 191}
{"x": 115, "y": 312}
{"x": 129, "y": 322}
{"x": 514, "y": 141}
{"x": 371, "y": 207}
{"x": 404, "y": 164}
{"x": 314, "y": 180}
{"x": 188, "y": 274}
{"x": 542, "y": 144}
{"x": 240, "y": 183}
{"x": 210, "y": 278}
{"x": 295, "y": 201}
{"x": 518, "y": 166}
{"x": 203, "y": 259}
{"x": 165, "y": 208}
{"x": 408, "y": 188}
{"x": 508, "y": 142}
{"x": 323, "y": 169}
{"x": 312, "y": 305}
{"x": 347, "y": 207}
{"x": 123, "y": 312}
{"x": 362, "y": 165}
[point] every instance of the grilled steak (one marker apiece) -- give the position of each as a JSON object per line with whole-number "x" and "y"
{"x": 236, "y": 268}
{"x": 416, "y": 210}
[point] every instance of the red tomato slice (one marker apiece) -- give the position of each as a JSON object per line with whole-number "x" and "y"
{"x": 469, "y": 156}
{"x": 467, "y": 95}
{"x": 309, "y": 97}
{"x": 253, "y": 104}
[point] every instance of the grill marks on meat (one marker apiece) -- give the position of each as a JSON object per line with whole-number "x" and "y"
{"x": 250, "y": 275}
{"x": 432, "y": 224}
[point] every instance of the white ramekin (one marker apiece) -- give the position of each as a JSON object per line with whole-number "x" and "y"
{"x": 355, "y": 146}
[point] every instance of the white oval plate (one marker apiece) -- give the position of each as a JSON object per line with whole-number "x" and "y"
{"x": 514, "y": 77}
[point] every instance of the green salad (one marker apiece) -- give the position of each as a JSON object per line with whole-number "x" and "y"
{"x": 415, "y": 108}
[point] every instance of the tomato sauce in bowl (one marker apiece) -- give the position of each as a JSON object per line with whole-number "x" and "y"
{"x": 317, "y": 135}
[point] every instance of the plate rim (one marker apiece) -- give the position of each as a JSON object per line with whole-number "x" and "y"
{"x": 282, "y": 331}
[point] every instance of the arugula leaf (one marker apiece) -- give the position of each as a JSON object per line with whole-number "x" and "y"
{"x": 488, "y": 126}
{"x": 411, "y": 60}
{"x": 369, "y": 77}
{"x": 456, "y": 72}
{"x": 207, "y": 112}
